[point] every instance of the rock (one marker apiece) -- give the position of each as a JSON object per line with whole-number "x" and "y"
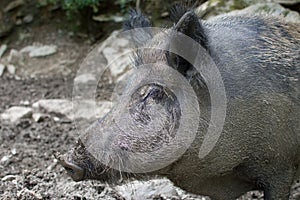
{"x": 14, "y": 151}
{"x": 56, "y": 119}
{"x": 165, "y": 14}
{"x": 117, "y": 58}
{"x": 15, "y": 58}
{"x": 2, "y": 49}
{"x": 9, "y": 178}
{"x": 107, "y": 18}
{"x": 11, "y": 69}
{"x": 18, "y": 22}
{"x": 116, "y": 49}
{"x": 16, "y": 113}
{"x": 287, "y": 2}
{"x": 147, "y": 190}
{"x": 39, "y": 51}
{"x": 43, "y": 51}
{"x": 85, "y": 78}
{"x": 38, "y": 117}
{"x": 86, "y": 109}
{"x": 28, "y": 18}
{"x": 54, "y": 106}
{"x": 2, "y": 68}
{"x": 14, "y": 4}
{"x": 273, "y": 9}
{"x": 24, "y": 103}
{"x": 4, "y": 159}
{"x": 212, "y": 8}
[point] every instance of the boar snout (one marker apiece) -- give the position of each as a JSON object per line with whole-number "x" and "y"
{"x": 76, "y": 172}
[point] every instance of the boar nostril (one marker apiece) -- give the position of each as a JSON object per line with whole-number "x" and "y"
{"x": 70, "y": 170}
{"x": 76, "y": 172}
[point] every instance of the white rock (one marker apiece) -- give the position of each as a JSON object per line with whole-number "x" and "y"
{"x": 28, "y": 18}
{"x": 15, "y": 57}
{"x": 86, "y": 109}
{"x": 56, "y": 119}
{"x": 89, "y": 109}
{"x": 43, "y": 51}
{"x": 85, "y": 78}
{"x": 270, "y": 9}
{"x": 4, "y": 159}
{"x": 120, "y": 42}
{"x": 11, "y": 69}
{"x": 117, "y": 53}
{"x": 27, "y": 49}
{"x": 14, "y": 4}
{"x": 54, "y": 106}
{"x": 16, "y": 113}
{"x": 147, "y": 190}
{"x": 118, "y": 60}
{"x": 105, "y": 18}
{"x": 39, "y": 51}
{"x": 3, "y": 48}
{"x": 25, "y": 103}
{"x": 37, "y": 117}
{"x": 14, "y": 151}
{"x": 288, "y": 2}
{"x": 9, "y": 177}
{"x": 2, "y": 68}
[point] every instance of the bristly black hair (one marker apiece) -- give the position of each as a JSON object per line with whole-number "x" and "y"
{"x": 140, "y": 26}
{"x": 136, "y": 20}
{"x": 180, "y": 8}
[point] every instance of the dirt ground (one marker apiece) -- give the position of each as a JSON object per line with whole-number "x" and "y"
{"x": 28, "y": 169}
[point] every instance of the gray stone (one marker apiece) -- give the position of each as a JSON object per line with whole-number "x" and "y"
{"x": 9, "y": 177}
{"x": 3, "y": 48}
{"x": 2, "y": 68}
{"x": 213, "y": 8}
{"x": 15, "y": 113}
{"x": 270, "y": 9}
{"x": 56, "y": 106}
{"x": 116, "y": 50}
{"x": 107, "y": 18}
{"x": 287, "y": 2}
{"x": 15, "y": 58}
{"x": 39, "y": 51}
{"x": 86, "y": 109}
{"x": 118, "y": 60}
{"x": 85, "y": 78}
{"x": 14, "y": 4}
{"x": 11, "y": 69}
{"x": 28, "y": 18}
{"x": 38, "y": 117}
{"x": 5, "y": 158}
{"x": 147, "y": 190}
{"x": 43, "y": 51}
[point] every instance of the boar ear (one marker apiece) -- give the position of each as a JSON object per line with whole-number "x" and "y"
{"x": 189, "y": 25}
{"x": 137, "y": 20}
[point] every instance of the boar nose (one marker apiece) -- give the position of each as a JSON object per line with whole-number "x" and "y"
{"x": 76, "y": 172}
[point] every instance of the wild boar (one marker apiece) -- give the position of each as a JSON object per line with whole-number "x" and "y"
{"x": 258, "y": 59}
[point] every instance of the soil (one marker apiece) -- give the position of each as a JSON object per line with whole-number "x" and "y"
{"x": 28, "y": 169}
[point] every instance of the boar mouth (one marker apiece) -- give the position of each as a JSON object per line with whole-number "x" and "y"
{"x": 76, "y": 172}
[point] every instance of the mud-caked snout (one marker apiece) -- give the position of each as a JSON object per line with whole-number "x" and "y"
{"x": 76, "y": 172}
